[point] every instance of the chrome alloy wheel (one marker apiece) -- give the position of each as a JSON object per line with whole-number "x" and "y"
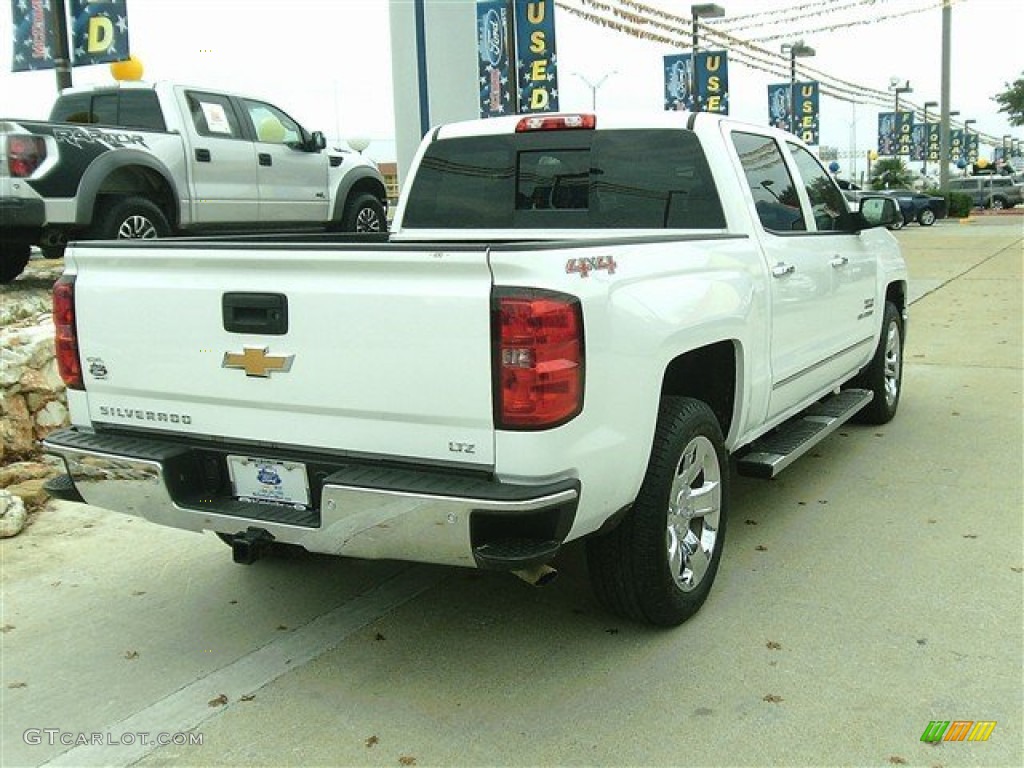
{"x": 368, "y": 221}
{"x": 137, "y": 227}
{"x": 694, "y": 509}
{"x": 893, "y": 352}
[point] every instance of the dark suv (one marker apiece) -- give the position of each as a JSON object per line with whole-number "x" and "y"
{"x": 989, "y": 191}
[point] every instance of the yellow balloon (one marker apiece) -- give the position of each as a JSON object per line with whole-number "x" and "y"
{"x": 982, "y": 163}
{"x": 872, "y": 155}
{"x": 126, "y": 70}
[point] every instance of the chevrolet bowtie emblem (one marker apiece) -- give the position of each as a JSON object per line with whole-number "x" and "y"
{"x": 256, "y": 362}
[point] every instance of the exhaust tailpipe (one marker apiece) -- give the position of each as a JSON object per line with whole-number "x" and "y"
{"x": 538, "y": 575}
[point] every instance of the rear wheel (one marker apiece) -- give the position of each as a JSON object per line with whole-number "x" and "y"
{"x": 13, "y": 260}
{"x": 365, "y": 214}
{"x": 926, "y": 217}
{"x": 658, "y": 564}
{"x": 884, "y": 374}
{"x": 998, "y": 203}
{"x": 129, "y": 218}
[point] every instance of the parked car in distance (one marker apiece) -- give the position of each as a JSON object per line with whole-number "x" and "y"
{"x": 917, "y": 206}
{"x": 989, "y": 191}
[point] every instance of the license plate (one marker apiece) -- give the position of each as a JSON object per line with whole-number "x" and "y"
{"x": 266, "y": 480}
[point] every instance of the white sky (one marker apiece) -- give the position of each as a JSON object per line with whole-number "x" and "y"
{"x": 328, "y": 63}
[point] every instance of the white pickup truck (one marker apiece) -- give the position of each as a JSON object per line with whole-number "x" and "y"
{"x": 146, "y": 160}
{"x": 580, "y": 327}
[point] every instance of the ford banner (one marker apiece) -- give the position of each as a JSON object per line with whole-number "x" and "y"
{"x": 34, "y": 39}
{"x": 497, "y": 84}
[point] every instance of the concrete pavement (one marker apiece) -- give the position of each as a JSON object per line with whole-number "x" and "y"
{"x": 874, "y": 587}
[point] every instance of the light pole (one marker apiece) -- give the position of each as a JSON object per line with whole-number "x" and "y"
{"x": 967, "y": 140}
{"x": 898, "y": 89}
{"x": 795, "y": 50}
{"x": 927, "y": 136}
{"x": 594, "y": 86}
{"x": 699, "y": 11}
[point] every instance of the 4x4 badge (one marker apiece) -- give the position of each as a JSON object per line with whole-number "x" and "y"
{"x": 256, "y": 362}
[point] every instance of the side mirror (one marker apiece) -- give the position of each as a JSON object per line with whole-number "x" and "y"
{"x": 878, "y": 211}
{"x": 317, "y": 142}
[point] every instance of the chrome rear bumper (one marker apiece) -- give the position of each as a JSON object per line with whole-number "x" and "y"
{"x": 360, "y": 510}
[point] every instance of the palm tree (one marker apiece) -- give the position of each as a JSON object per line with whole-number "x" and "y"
{"x": 891, "y": 173}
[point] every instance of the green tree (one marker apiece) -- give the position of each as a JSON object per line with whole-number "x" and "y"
{"x": 891, "y": 173}
{"x": 1011, "y": 101}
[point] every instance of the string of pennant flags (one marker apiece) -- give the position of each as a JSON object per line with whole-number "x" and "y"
{"x": 642, "y": 21}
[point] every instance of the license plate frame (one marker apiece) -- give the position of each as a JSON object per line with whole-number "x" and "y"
{"x": 269, "y": 481}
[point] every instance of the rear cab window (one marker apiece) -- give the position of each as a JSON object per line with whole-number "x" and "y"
{"x": 614, "y": 179}
{"x": 123, "y": 108}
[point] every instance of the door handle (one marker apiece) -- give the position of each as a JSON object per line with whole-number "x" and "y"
{"x": 203, "y": 156}
{"x": 839, "y": 261}
{"x": 781, "y": 270}
{"x": 265, "y": 159}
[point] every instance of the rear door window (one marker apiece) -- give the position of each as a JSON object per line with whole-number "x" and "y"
{"x": 628, "y": 179}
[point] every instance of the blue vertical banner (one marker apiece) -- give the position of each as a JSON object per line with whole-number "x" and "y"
{"x": 904, "y": 133}
{"x": 678, "y": 96}
{"x": 536, "y": 57}
{"x": 956, "y": 145}
{"x": 99, "y": 31}
{"x": 778, "y": 106}
{"x": 807, "y": 108}
{"x": 713, "y": 81}
{"x": 971, "y": 147}
{"x": 917, "y": 145}
{"x": 932, "y": 142}
{"x": 35, "y": 37}
{"x": 497, "y": 84}
{"x": 887, "y": 135}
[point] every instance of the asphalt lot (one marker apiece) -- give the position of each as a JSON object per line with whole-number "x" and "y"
{"x": 874, "y": 587}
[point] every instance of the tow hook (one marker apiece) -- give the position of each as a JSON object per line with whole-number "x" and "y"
{"x": 250, "y": 546}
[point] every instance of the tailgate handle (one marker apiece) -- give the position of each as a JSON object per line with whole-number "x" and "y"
{"x": 261, "y": 313}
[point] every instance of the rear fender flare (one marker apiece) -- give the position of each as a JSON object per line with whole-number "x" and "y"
{"x": 100, "y": 170}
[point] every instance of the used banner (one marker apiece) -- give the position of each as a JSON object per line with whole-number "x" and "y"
{"x": 711, "y": 91}
{"x": 35, "y": 37}
{"x": 496, "y": 81}
{"x": 806, "y": 100}
{"x": 99, "y": 31}
{"x": 807, "y": 109}
{"x": 536, "y": 56}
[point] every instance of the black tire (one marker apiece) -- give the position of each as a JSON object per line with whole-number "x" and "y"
{"x": 53, "y": 251}
{"x": 898, "y": 224}
{"x": 926, "y": 217}
{"x": 277, "y": 549}
{"x": 884, "y": 374}
{"x": 365, "y": 213}
{"x": 997, "y": 203}
{"x": 13, "y": 260}
{"x": 640, "y": 569}
{"x": 129, "y": 218}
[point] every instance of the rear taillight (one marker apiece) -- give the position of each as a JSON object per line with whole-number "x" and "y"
{"x": 69, "y": 365}
{"x": 24, "y": 155}
{"x": 538, "y": 358}
{"x": 556, "y": 123}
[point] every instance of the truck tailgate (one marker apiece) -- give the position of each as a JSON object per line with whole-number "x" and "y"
{"x": 383, "y": 351}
